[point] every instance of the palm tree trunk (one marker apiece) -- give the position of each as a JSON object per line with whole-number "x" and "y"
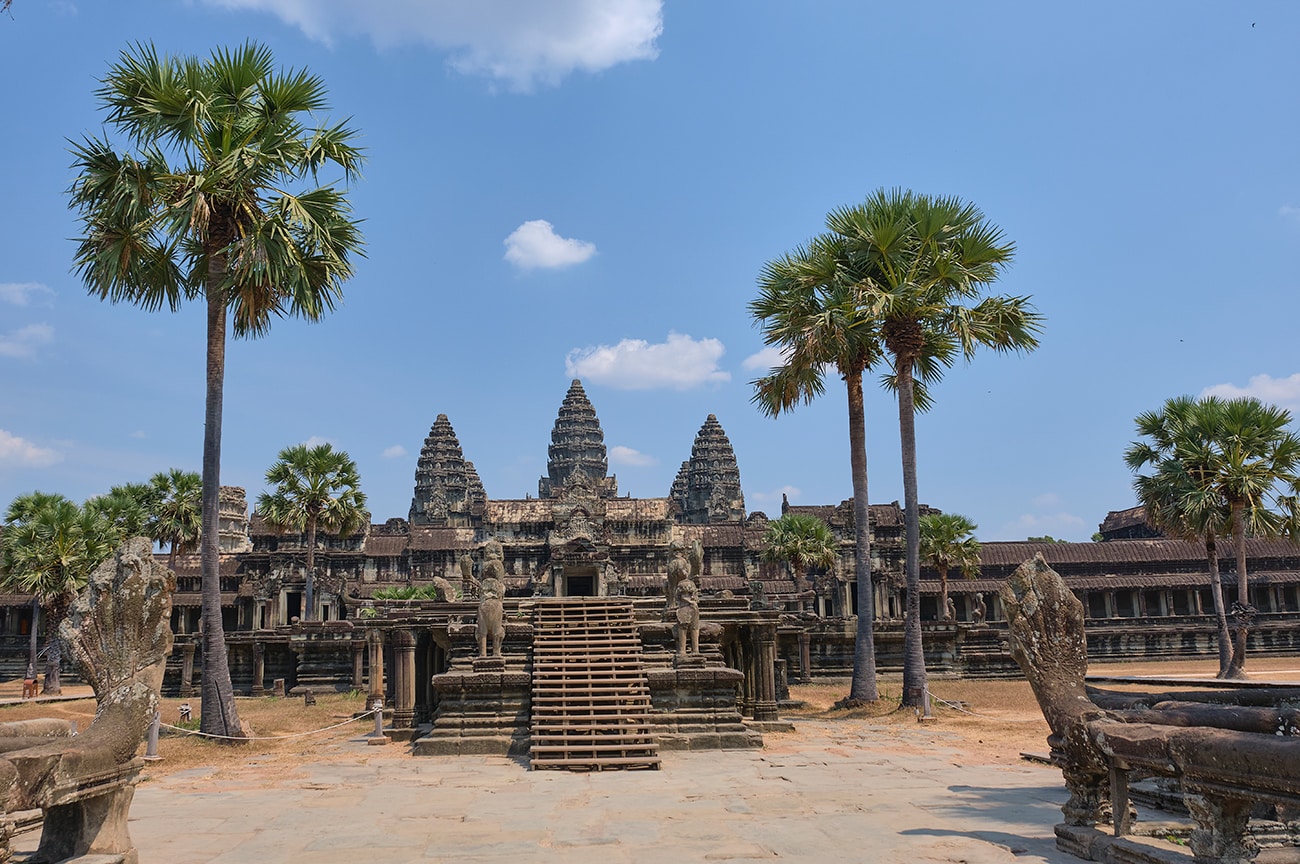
{"x": 943, "y": 592}
{"x": 914, "y": 677}
{"x": 309, "y": 600}
{"x": 53, "y": 656}
{"x": 1243, "y": 591}
{"x": 218, "y": 716}
{"x": 32, "y": 641}
{"x": 863, "y": 688}
{"x": 1220, "y": 614}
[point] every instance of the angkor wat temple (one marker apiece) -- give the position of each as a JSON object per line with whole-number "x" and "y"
{"x": 1146, "y": 596}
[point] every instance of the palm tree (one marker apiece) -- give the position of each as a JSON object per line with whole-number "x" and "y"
{"x": 800, "y": 540}
{"x": 127, "y": 507}
{"x": 920, "y": 265}
{"x": 177, "y": 515}
{"x": 1218, "y": 466}
{"x": 49, "y": 548}
{"x": 946, "y": 542}
{"x": 211, "y": 205}
{"x": 315, "y": 488}
{"x": 807, "y": 311}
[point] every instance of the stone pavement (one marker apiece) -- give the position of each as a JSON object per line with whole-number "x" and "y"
{"x": 829, "y": 792}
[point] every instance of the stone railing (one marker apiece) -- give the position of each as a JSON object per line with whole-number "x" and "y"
{"x": 1231, "y": 752}
{"x": 118, "y": 632}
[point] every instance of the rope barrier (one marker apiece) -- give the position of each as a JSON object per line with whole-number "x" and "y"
{"x": 956, "y": 706}
{"x": 369, "y": 713}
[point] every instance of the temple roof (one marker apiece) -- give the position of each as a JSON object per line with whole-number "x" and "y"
{"x": 577, "y": 450}
{"x": 448, "y": 490}
{"x": 710, "y": 490}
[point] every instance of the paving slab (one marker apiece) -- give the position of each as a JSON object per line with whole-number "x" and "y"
{"x": 823, "y": 793}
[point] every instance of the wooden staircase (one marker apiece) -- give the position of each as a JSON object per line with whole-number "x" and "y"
{"x": 591, "y": 698}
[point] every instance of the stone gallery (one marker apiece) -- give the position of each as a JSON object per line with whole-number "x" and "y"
{"x": 719, "y": 630}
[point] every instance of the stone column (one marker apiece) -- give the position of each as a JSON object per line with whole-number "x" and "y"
{"x": 259, "y": 670}
{"x": 187, "y": 669}
{"x": 358, "y": 663}
{"x": 375, "y": 640}
{"x": 403, "y": 679}
{"x": 765, "y": 672}
{"x": 805, "y": 656}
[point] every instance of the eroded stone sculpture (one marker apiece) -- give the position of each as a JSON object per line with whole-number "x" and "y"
{"x": 687, "y": 617}
{"x": 119, "y": 634}
{"x": 1229, "y": 752}
{"x": 1045, "y": 620}
{"x": 679, "y": 569}
{"x": 491, "y": 620}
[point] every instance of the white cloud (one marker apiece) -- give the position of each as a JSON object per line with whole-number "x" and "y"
{"x": 765, "y": 360}
{"x": 680, "y": 363}
{"x": 25, "y": 341}
{"x": 397, "y": 451}
{"x": 791, "y": 492}
{"x": 316, "y": 441}
{"x": 620, "y": 455}
{"x": 520, "y": 42}
{"x": 1284, "y": 392}
{"x": 140, "y": 434}
{"x": 22, "y": 293}
{"x": 1286, "y": 211}
{"x": 535, "y": 244}
{"x": 21, "y": 452}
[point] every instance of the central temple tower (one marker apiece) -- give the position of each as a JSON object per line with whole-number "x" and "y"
{"x": 577, "y": 452}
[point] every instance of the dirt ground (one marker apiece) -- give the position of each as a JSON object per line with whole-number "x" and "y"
{"x": 990, "y": 721}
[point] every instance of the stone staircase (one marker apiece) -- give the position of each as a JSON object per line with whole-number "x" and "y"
{"x": 590, "y": 697}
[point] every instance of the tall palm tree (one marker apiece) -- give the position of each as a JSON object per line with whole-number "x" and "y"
{"x": 177, "y": 516}
{"x": 315, "y": 488}
{"x": 49, "y": 548}
{"x": 811, "y": 315}
{"x": 921, "y": 265}
{"x": 802, "y": 541}
{"x": 947, "y": 542}
{"x": 1218, "y": 466}
{"x": 215, "y": 201}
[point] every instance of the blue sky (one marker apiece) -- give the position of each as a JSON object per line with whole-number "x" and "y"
{"x": 586, "y": 188}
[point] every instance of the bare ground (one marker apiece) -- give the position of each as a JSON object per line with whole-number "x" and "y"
{"x": 988, "y": 721}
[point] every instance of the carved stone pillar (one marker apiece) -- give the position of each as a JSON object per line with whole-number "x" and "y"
{"x": 375, "y": 641}
{"x": 765, "y": 707}
{"x": 403, "y": 679}
{"x": 358, "y": 663}
{"x": 805, "y": 657}
{"x": 1221, "y": 833}
{"x": 187, "y": 669}
{"x": 259, "y": 670}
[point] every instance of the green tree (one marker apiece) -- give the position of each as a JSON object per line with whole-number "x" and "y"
{"x": 48, "y": 548}
{"x": 947, "y": 541}
{"x": 1219, "y": 466}
{"x": 801, "y": 541}
{"x": 127, "y": 507}
{"x": 921, "y": 266}
{"x": 315, "y": 488}
{"x": 216, "y": 199}
{"x": 811, "y": 315}
{"x": 177, "y": 514}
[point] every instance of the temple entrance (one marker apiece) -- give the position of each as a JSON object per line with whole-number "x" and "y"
{"x": 580, "y": 582}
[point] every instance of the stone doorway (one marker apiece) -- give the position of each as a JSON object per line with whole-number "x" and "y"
{"x": 580, "y": 582}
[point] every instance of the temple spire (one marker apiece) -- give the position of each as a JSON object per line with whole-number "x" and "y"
{"x": 448, "y": 490}
{"x": 577, "y": 451}
{"x": 707, "y": 488}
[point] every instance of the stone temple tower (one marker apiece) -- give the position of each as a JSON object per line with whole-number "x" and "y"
{"x": 448, "y": 491}
{"x": 707, "y": 487}
{"x": 577, "y": 451}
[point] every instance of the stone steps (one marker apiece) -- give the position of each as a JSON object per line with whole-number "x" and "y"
{"x": 590, "y": 695}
